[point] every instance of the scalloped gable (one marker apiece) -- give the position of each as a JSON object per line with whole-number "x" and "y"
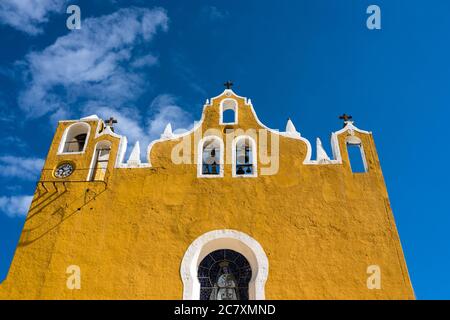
{"x": 210, "y": 118}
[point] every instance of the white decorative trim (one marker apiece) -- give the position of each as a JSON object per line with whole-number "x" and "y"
{"x": 200, "y": 157}
{"x": 335, "y": 149}
{"x": 248, "y": 103}
{"x": 337, "y": 159}
{"x": 355, "y": 141}
{"x": 291, "y": 130}
{"x": 254, "y": 157}
{"x": 234, "y": 108}
{"x": 121, "y": 152}
{"x": 62, "y": 142}
{"x": 123, "y": 142}
{"x": 94, "y": 156}
{"x": 224, "y": 239}
{"x": 123, "y": 146}
{"x": 285, "y": 134}
{"x": 91, "y": 117}
{"x": 134, "y": 160}
{"x": 321, "y": 155}
{"x": 175, "y": 136}
{"x": 120, "y": 160}
{"x": 349, "y": 127}
{"x": 227, "y": 93}
{"x": 107, "y": 131}
{"x": 167, "y": 134}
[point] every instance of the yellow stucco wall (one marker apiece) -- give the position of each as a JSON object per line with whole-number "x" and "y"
{"x": 320, "y": 226}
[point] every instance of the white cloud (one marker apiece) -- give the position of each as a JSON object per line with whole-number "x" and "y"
{"x": 145, "y": 128}
{"x": 128, "y": 121}
{"x": 15, "y": 206}
{"x": 167, "y": 111}
{"x": 100, "y": 69}
{"x": 18, "y": 167}
{"x": 29, "y": 15}
{"x": 145, "y": 61}
{"x": 91, "y": 64}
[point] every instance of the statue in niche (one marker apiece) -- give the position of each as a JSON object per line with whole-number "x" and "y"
{"x": 226, "y": 286}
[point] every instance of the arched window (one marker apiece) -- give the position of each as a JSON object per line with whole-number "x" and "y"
{"x": 74, "y": 138}
{"x": 236, "y": 244}
{"x": 224, "y": 275}
{"x": 100, "y": 161}
{"x": 211, "y": 157}
{"x": 244, "y": 157}
{"x": 356, "y": 155}
{"x": 228, "y": 111}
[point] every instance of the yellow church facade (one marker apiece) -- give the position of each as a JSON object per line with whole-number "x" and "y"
{"x": 228, "y": 210}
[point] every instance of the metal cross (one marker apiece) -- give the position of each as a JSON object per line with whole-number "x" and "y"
{"x": 345, "y": 117}
{"x": 110, "y": 122}
{"x": 228, "y": 84}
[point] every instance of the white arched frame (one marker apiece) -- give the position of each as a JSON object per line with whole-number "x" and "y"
{"x": 229, "y": 104}
{"x": 254, "y": 154}
{"x": 201, "y": 143}
{"x": 224, "y": 239}
{"x": 72, "y": 131}
{"x": 356, "y": 142}
{"x": 104, "y": 144}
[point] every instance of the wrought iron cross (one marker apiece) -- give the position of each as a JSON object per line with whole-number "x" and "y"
{"x": 345, "y": 117}
{"x": 228, "y": 84}
{"x": 110, "y": 122}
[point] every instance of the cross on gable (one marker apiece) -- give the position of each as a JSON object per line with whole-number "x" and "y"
{"x": 228, "y": 84}
{"x": 110, "y": 122}
{"x": 346, "y": 118}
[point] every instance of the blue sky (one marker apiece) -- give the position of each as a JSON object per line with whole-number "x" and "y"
{"x": 152, "y": 62}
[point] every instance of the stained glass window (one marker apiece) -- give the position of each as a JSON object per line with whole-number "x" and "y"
{"x": 224, "y": 275}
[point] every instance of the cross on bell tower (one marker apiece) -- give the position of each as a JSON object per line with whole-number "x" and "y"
{"x": 228, "y": 84}
{"x": 110, "y": 122}
{"x": 346, "y": 118}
